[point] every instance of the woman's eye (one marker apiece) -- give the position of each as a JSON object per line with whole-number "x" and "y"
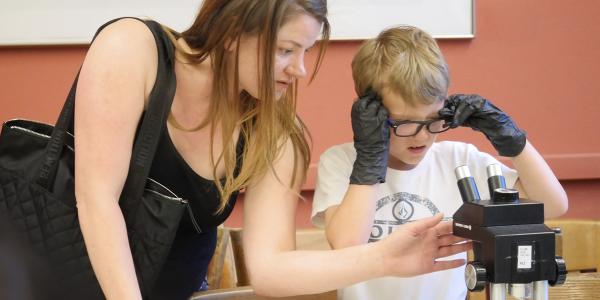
{"x": 285, "y": 50}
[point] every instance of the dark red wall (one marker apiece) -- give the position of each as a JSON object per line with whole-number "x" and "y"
{"x": 536, "y": 59}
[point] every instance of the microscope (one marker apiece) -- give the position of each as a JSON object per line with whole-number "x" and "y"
{"x": 513, "y": 250}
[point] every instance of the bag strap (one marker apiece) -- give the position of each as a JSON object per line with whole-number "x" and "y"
{"x": 47, "y": 171}
{"x": 155, "y": 117}
{"x": 146, "y": 141}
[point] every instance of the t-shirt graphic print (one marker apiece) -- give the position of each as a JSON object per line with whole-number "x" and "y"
{"x": 405, "y": 207}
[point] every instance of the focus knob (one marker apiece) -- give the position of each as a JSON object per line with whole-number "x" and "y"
{"x": 475, "y": 276}
{"x": 561, "y": 272}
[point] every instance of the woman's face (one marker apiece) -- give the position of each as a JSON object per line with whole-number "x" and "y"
{"x": 295, "y": 37}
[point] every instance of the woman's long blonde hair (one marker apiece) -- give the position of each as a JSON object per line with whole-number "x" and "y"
{"x": 264, "y": 124}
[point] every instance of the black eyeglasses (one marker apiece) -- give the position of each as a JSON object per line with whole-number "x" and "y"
{"x": 406, "y": 128}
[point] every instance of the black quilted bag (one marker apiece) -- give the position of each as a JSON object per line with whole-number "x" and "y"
{"x": 37, "y": 190}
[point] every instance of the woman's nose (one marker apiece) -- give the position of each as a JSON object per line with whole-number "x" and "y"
{"x": 296, "y": 68}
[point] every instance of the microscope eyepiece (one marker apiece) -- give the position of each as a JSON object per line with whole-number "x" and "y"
{"x": 494, "y": 170}
{"x": 496, "y": 181}
{"x": 466, "y": 185}
{"x": 462, "y": 172}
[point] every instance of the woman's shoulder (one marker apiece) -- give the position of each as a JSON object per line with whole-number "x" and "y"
{"x": 124, "y": 34}
{"x": 123, "y": 51}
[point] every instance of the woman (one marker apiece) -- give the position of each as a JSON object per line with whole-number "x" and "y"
{"x": 232, "y": 126}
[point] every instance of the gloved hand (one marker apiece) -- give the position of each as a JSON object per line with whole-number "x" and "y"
{"x": 480, "y": 114}
{"x": 371, "y": 140}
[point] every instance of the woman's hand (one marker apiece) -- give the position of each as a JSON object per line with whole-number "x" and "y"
{"x": 413, "y": 249}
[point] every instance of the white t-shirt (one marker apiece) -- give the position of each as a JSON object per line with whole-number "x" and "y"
{"x": 406, "y": 196}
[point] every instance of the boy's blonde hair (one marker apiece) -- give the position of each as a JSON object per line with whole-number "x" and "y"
{"x": 404, "y": 59}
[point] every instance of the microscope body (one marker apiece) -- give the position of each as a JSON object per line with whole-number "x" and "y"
{"x": 509, "y": 239}
{"x": 512, "y": 246}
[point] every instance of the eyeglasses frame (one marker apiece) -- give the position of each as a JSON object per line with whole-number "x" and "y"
{"x": 396, "y": 123}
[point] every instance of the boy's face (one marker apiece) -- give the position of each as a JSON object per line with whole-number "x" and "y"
{"x": 407, "y": 152}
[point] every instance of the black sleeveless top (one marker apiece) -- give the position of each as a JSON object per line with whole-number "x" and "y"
{"x": 184, "y": 271}
{"x": 171, "y": 170}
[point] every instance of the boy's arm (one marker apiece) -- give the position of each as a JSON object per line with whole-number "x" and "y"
{"x": 537, "y": 182}
{"x": 350, "y": 223}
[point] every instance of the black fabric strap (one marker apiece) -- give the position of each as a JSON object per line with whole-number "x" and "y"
{"x": 154, "y": 119}
{"x": 47, "y": 171}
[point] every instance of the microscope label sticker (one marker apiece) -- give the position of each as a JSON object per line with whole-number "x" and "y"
{"x": 524, "y": 257}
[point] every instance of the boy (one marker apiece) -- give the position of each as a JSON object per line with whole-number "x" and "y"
{"x": 367, "y": 189}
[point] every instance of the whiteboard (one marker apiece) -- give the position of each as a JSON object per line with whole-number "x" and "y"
{"x": 364, "y": 19}
{"x": 64, "y": 22}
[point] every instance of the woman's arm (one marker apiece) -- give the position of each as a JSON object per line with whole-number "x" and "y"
{"x": 275, "y": 269}
{"x": 537, "y": 182}
{"x": 116, "y": 76}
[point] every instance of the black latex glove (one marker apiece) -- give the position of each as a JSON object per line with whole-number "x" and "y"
{"x": 371, "y": 140}
{"x": 480, "y": 114}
